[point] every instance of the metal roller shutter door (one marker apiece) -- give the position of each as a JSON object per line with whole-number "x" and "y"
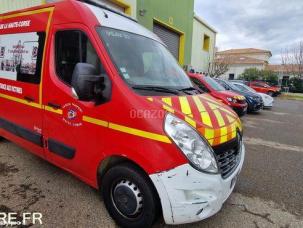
{"x": 170, "y": 38}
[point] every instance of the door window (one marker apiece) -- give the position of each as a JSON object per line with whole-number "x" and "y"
{"x": 72, "y": 47}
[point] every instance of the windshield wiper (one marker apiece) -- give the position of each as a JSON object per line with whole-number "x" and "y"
{"x": 157, "y": 89}
{"x": 188, "y": 89}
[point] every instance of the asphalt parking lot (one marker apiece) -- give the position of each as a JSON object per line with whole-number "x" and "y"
{"x": 268, "y": 192}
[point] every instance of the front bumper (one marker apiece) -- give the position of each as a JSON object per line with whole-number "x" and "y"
{"x": 188, "y": 195}
{"x": 268, "y": 103}
{"x": 241, "y": 111}
{"x": 255, "y": 107}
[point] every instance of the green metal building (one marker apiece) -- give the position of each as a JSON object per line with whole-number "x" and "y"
{"x": 172, "y": 21}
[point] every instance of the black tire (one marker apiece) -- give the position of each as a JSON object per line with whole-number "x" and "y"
{"x": 270, "y": 93}
{"x": 137, "y": 179}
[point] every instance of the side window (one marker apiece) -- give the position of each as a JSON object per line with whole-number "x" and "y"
{"x": 21, "y": 56}
{"x": 200, "y": 85}
{"x": 223, "y": 84}
{"x": 258, "y": 85}
{"x": 72, "y": 47}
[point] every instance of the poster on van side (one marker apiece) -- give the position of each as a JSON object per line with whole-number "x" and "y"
{"x": 18, "y": 53}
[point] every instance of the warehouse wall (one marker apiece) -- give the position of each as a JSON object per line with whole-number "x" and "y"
{"x": 200, "y": 57}
{"x": 176, "y": 13}
{"x": 11, "y": 5}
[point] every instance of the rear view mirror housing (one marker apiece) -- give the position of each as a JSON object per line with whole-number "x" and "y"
{"x": 87, "y": 85}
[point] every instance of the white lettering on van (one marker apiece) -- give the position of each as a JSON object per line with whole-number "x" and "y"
{"x": 10, "y": 88}
{"x": 17, "y": 24}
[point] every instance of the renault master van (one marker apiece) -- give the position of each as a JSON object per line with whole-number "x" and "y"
{"x": 95, "y": 93}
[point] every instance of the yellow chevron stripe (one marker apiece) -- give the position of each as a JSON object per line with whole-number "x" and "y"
{"x": 230, "y": 119}
{"x": 185, "y": 107}
{"x": 191, "y": 121}
{"x": 229, "y": 112}
{"x": 223, "y": 132}
{"x": 167, "y": 100}
{"x": 209, "y": 133}
{"x": 199, "y": 104}
{"x": 211, "y": 142}
{"x": 234, "y": 134}
{"x": 168, "y": 107}
{"x": 206, "y": 119}
{"x": 219, "y": 118}
{"x": 213, "y": 106}
{"x": 213, "y": 100}
{"x": 150, "y": 98}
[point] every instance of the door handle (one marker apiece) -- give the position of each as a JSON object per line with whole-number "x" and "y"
{"x": 53, "y": 105}
{"x": 29, "y": 99}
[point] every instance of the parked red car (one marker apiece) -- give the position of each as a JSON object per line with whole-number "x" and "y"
{"x": 263, "y": 87}
{"x": 207, "y": 84}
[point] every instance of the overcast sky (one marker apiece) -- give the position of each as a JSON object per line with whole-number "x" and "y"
{"x": 266, "y": 24}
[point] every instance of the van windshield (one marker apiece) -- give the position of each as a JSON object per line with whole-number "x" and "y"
{"x": 143, "y": 62}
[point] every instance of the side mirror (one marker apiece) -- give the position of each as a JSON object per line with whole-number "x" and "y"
{"x": 87, "y": 85}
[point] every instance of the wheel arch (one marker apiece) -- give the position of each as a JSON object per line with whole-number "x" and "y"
{"x": 114, "y": 160}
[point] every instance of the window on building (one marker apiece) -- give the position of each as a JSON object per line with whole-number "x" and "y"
{"x": 231, "y": 76}
{"x": 74, "y": 47}
{"x": 206, "y": 42}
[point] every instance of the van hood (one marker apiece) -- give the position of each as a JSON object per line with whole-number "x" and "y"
{"x": 212, "y": 119}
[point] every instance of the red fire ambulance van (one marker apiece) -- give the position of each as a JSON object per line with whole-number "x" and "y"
{"x": 98, "y": 95}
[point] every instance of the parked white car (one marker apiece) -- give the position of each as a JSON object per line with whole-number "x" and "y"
{"x": 268, "y": 101}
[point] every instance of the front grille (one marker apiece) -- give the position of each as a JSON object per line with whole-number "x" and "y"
{"x": 241, "y": 101}
{"x": 228, "y": 156}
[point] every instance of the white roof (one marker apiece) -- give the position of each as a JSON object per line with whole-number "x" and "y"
{"x": 112, "y": 20}
{"x": 199, "y": 19}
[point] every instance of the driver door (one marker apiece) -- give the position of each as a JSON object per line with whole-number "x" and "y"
{"x": 69, "y": 142}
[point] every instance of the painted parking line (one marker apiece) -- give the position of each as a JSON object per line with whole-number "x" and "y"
{"x": 265, "y": 120}
{"x": 271, "y": 144}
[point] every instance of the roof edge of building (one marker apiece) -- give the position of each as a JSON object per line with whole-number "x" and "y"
{"x": 199, "y": 19}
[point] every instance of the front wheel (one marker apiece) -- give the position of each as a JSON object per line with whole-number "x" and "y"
{"x": 270, "y": 93}
{"x": 129, "y": 196}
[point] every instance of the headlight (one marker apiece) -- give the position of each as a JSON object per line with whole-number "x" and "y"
{"x": 230, "y": 99}
{"x": 195, "y": 147}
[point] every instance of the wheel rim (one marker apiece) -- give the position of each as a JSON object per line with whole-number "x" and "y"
{"x": 127, "y": 199}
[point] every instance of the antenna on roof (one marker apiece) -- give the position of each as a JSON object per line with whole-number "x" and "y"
{"x": 106, "y": 7}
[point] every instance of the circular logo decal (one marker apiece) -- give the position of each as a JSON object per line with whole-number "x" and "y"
{"x": 72, "y": 115}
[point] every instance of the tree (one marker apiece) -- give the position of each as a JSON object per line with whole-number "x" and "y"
{"x": 252, "y": 74}
{"x": 219, "y": 66}
{"x": 292, "y": 60}
{"x": 269, "y": 76}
